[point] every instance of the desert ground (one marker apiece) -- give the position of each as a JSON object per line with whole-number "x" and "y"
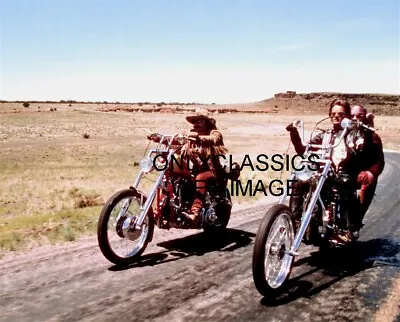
{"x": 60, "y": 163}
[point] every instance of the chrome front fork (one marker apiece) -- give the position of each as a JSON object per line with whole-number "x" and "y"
{"x": 305, "y": 219}
{"x": 282, "y": 199}
{"x": 150, "y": 199}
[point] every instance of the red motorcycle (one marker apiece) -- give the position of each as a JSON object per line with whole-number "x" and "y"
{"x": 127, "y": 220}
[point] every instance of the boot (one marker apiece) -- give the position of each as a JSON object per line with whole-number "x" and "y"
{"x": 363, "y": 206}
{"x": 361, "y": 196}
{"x": 194, "y": 215}
{"x": 344, "y": 238}
{"x": 361, "y": 209}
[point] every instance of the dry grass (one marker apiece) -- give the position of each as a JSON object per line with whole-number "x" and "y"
{"x": 53, "y": 180}
{"x": 64, "y": 225}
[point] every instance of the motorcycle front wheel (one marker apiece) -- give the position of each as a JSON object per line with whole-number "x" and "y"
{"x": 272, "y": 264}
{"x": 118, "y": 241}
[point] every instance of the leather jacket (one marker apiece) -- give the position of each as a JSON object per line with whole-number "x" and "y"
{"x": 372, "y": 158}
{"x": 207, "y": 147}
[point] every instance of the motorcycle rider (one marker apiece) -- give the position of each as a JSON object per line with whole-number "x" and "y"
{"x": 345, "y": 158}
{"x": 372, "y": 161}
{"x": 208, "y": 145}
{"x": 202, "y": 151}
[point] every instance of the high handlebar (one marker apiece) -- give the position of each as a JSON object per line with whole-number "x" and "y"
{"x": 352, "y": 124}
{"x": 366, "y": 127}
{"x": 179, "y": 139}
{"x": 347, "y": 125}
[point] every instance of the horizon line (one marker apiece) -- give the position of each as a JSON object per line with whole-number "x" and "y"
{"x": 289, "y": 92}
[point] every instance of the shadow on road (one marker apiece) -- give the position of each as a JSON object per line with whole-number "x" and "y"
{"x": 193, "y": 245}
{"x": 331, "y": 266}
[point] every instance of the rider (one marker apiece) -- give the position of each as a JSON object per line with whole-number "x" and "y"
{"x": 203, "y": 152}
{"x": 372, "y": 160}
{"x": 345, "y": 158}
{"x": 208, "y": 145}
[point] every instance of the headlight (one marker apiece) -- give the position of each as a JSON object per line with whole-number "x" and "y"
{"x": 305, "y": 174}
{"x": 146, "y": 164}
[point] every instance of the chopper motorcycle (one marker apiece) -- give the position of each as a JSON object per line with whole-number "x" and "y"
{"x": 280, "y": 235}
{"x": 127, "y": 220}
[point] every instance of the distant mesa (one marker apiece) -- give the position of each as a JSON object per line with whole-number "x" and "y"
{"x": 288, "y": 94}
{"x": 317, "y": 102}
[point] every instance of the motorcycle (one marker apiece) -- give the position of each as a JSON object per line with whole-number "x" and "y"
{"x": 127, "y": 220}
{"x": 279, "y": 235}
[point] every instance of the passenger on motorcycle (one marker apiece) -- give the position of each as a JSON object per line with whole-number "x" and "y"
{"x": 372, "y": 160}
{"x": 345, "y": 158}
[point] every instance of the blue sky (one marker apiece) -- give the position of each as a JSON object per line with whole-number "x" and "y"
{"x": 223, "y": 51}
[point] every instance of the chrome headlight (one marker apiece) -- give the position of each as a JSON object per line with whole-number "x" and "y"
{"x": 146, "y": 164}
{"x": 305, "y": 174}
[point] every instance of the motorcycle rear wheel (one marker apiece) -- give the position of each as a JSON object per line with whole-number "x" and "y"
{"x": 119, "y": 244}
{"x": 272, "y": 264}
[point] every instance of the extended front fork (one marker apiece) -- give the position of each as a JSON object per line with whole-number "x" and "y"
{"x": 306, "y": 217}
{"x": 144, "y": 210}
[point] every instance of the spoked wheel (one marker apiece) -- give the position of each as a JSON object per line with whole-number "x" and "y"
{"x": 272, "y": 264}
{"x": 119, "y": 241}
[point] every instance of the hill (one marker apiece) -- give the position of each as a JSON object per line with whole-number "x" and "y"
{"x": 292, "y": 102}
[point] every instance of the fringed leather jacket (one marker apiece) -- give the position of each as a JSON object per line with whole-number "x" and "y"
{"x": 204, "y": 152}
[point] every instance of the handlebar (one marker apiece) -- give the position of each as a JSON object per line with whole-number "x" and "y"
{"x": 346, "y": 125}
{"x": 366, "y": 126}
{"x": 351, "y": 123}
{"x": 320, "y": 146}
{"x": 175, "y": 139}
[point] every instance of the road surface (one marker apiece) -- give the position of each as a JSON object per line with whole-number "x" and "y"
{"x": 185, "y": 277}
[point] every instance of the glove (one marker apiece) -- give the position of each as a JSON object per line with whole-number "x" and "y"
{"x": 370, "y": 116}
{"x": 154, "y": 137}
{"x": 370, "y": 119}
{"x": 193, "y": 134}
{"x": 291, "y": 128}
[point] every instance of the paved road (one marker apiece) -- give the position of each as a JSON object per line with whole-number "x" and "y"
{"x": 185, "y": 277}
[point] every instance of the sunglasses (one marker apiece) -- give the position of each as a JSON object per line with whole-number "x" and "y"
{"x": 337, "y": 114}
{"x": 357, "y": 115}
